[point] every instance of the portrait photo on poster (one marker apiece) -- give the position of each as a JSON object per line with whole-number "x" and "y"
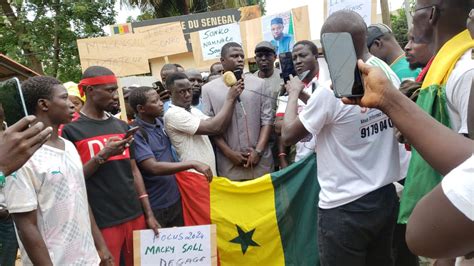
{"x": 279, "y": 31}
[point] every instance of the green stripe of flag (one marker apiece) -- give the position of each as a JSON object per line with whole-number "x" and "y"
{"x": 296, "y": 203}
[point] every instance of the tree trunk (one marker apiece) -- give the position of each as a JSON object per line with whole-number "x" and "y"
{"x": 183, "y": 7}
{"x": 56, "y": 44}
{"x": 34, "y": 62}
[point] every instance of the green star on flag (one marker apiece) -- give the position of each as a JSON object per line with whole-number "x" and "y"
{"x": 244, "y": 239}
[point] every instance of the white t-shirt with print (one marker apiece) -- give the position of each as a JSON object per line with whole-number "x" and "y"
{"x": 52, "y": 183}
{"x": 458, "y": 89}
{"x": 307, "y": 145}
{"x": 458, "y": 186}
{"x": 357, "y": 150}
{"x": 181, "y": 127}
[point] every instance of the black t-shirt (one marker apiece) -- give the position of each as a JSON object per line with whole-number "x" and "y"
{"x": 111, "y": 191}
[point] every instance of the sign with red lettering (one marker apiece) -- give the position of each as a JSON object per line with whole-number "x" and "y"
{"x": 187, "y": 245}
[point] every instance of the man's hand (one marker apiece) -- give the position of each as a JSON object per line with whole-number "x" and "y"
{"x": 376, "y": 86}
{"x": 235, "y": 90}
{"x": 152, "y": 223}
{"x": 165, "y": 95}
{"x": 106, "y": 259}
{"x": 253, "y": 158}
{"x": 19, "y": 142}
{"x": 203, "y": 169}
{"x": 294, "y": 85}
{"x": 115, "y": 146}
{"x": 238, "y": 158}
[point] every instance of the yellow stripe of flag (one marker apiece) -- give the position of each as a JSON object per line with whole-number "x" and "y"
{"x": 246, "y": 225}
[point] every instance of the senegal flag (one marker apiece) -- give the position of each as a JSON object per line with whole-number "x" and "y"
{"x": 421, "y": 177}
{"x": 270, "y": 220}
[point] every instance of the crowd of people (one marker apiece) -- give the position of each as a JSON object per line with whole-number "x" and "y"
{"x": 75, "y": 185}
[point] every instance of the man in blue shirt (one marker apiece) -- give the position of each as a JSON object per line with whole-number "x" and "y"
{"x": 281, "y": 41}
{"x": 155, "y": 161}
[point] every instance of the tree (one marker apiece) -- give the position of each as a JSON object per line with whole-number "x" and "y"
{"x": 169, "y": 8}
{"x": 42, "y": 34}
{"x": 400, "y": 26}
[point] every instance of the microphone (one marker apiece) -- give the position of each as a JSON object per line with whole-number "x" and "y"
{"x": 231, "y": 78}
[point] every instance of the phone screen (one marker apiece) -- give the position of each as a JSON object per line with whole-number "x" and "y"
{"x": 287, "y": 67}
{"x": 13, "y": 103}
{"x": 159, "y": 86}
{"x": 342, "y": 63}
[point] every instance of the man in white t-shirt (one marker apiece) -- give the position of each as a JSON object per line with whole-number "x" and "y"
{"x": 47, "y": 196}
{"x": 452, "y": 156}
{"x": 188, "y": 128}
{"x": 305, "y": 58}
{"x": 358, "y": 160}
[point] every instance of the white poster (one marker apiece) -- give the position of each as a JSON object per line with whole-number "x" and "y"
{"x": 362, "y": 7}
{"x": 188, "y": 245}
{"x": 213, "y": 39}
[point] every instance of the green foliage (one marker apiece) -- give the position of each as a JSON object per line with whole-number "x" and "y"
{"x": 400, "y": 26}
{"x": 167, "y": 8}
{"x": 46, "y": 31}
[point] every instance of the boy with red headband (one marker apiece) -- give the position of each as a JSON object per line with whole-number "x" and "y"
{"x": 110, "y": 170}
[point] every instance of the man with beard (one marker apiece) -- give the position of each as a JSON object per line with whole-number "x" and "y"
{"x": 114, "y": 184}
{"x": 281, "y": 41}
{"x": 195, "y": 78}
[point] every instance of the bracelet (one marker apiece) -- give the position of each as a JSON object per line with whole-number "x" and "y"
{"x": 143, "y": 196}
{"x": 281, "y": 154}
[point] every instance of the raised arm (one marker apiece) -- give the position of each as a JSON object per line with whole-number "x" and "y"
{"x": 293, "y": 130}
{"x": 442, "y": 148}
{"x": 219, "y": 123}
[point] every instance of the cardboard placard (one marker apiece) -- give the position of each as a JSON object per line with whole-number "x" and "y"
{"x": 213, "y": 39}
{"x": 188, "y": 245}
{"x": 251, "y": 34}
{"x": 365, "y": 8}
{"x": 128, "y": 54}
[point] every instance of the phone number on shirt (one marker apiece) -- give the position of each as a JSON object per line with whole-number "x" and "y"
{"x": 375, "y": 128}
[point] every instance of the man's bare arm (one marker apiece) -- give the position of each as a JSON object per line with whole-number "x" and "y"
{"x": 30, "y": 236}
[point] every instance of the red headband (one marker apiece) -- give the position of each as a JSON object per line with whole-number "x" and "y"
{"x": 95, "y": 81}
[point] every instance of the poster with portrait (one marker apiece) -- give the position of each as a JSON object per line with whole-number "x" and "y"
{"x": 278, "y": 29}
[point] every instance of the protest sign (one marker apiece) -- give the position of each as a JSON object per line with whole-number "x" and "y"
{"x": 206, "y": 20}
{"x": 213, "y": 39}
{"x": 365, "y": 8}
{"x": 128, "y": 54}
{"x": 190, "y": 245}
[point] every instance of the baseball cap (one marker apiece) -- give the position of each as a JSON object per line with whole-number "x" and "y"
{"x": 264, "y": 46}
{"x": 375, "y": 31}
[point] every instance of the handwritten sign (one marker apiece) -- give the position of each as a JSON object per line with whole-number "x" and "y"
{"x": 362, "y": 7}
{"x": 190, "y": 245}
{"x": 213, "y": 39}
{"x": 128, "y": 54}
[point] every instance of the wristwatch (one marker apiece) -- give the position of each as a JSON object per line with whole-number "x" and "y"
{"x": 259, "y": 152}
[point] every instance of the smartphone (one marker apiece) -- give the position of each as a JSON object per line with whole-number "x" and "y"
{"x": 287, "y": 67}
{"x": 131, "y": 132}
{"x": 342, "y": 63}
{"x": 12, "y": 101}
{"x": 159, "y": 87}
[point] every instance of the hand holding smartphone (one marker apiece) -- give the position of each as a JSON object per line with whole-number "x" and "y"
{"x": 341, "y": 58}
{"x": 131, "y": 132}
{"x": 11, "y": 98}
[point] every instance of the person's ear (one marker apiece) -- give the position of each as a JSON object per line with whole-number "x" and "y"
{"x": 43, "y": 105}
{"x": 434, "y": 16}
{"x": 140, "y": 109}
{"x": 378, "y": 43}
{"x": 89, "y": 89}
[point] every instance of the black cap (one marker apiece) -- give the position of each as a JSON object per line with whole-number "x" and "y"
{"x": 376, "y": 31}
{"x": 265, "y": 46}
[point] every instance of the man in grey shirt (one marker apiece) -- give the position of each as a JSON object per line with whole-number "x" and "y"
{"x": 242, "y": 152}
{"x": 265, "y": 57}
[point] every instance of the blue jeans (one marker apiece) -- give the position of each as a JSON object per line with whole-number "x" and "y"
{"x": 360, "y": 232}
{"x": 8, "y": 242}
